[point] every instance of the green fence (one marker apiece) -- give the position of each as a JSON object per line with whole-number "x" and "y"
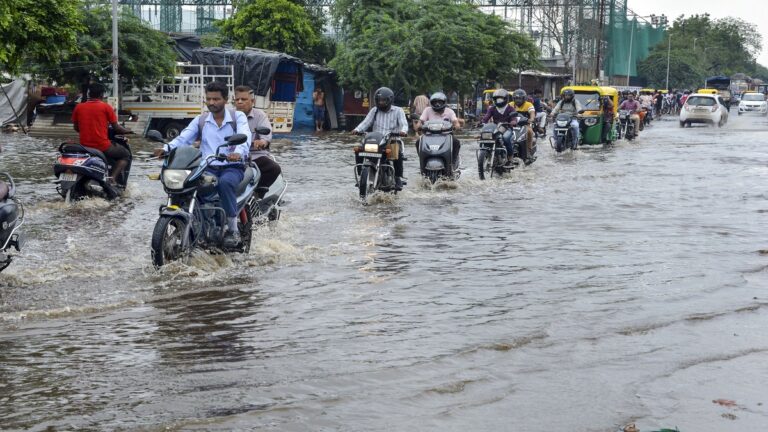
{"x": 620, "y": 32}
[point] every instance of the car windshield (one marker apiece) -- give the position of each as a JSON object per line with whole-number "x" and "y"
{"x": 701, "y": 101}
{"x": 589, "y": 101}
{"x": 753, "y": 97}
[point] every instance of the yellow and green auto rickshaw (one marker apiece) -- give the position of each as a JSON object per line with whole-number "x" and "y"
{"x": 591, "y": 119}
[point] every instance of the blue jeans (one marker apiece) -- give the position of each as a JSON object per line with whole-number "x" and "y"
{"x": 507, "y": 140}
{"x": 229, "y": 177}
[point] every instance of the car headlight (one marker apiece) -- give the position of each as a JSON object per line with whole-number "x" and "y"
{"x": 486, "y": 135}
{"x": 174, "y": 179}
{"x": 590, "y": 121}
{"x": 373, "y": 148}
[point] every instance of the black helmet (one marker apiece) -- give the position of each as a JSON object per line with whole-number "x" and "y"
{"x": 384, "y": 97}
{"x": 438, "y": 101}
{"x": 500, "y": 98}
{"x": 567, "y": 93}
{"x": 519, "y": 96}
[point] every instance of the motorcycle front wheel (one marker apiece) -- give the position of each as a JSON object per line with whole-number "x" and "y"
{"x": 168, "y": 240}
{"x": 481, "y": 164}
{"x": 433, "y": 175}
{"x": 365, "y": 187}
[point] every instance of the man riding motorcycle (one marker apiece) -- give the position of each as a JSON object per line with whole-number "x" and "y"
{"x": 502, "y": 112}
{"x": 219, "y": 125}
{"x": 570, "y": 105}
{"x": 524, "y": 108}
{"x": 438, "y": 110}
{"x": 633, "y": 107}
{"x": 385, "y": 118}
{"x": 541, "y": 113}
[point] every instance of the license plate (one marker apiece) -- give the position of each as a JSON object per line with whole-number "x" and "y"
{"x": 68, "y": 177}
{"x": 372, "y": 155}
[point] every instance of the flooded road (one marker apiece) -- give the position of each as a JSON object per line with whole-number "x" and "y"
{"x": 589, "y": 290}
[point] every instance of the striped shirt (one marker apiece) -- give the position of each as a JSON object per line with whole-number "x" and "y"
{"x": 386, "y": 122}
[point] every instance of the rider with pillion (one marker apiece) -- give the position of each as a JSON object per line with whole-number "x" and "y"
{"x": 502, "y": 112}
{"x": 217, "y": 127}
{"x": 438, "y": 110}
{"x": 385, "y": 118}
{"x": 525, "y": 108}
{"x": 633, "y": 106}
{"x": 570, "y": 105}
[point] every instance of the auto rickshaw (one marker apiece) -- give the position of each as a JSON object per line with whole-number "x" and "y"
{"x": 591, "y": 120}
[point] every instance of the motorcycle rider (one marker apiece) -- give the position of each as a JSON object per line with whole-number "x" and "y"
{"x": 92, "y": 120}
{"x": 385, "y": 118}
{"x": 219, "y": 125}
{"x": 607, "y": 108}
{"x": 438, "y": 110}
{"x": 502, "y": 112}
{"x": 541, "y": 113}
{"x": 633, "y": 106}
{"x": 259, "y": 154}
{"x": 570, "y": 105}
{"x": 525, "y": 108}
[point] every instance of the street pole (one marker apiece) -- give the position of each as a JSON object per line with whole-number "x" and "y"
{"x": 669, "y": 52}
{"x": 115, "y": 76}
{"x": 694, "y": 44}
{"x": 629, "y": 58}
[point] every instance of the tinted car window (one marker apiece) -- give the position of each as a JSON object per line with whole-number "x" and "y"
{"x": 701, "y": 101}
{"x": 753, "y": 97}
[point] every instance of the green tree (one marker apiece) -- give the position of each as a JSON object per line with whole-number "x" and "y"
{"x": 37, "y": 29}
{"x": 684, "y": 71}
{"x": 145, "y": 55}
{"x": 278, "y": 25}
{"x": 424, "y": 45}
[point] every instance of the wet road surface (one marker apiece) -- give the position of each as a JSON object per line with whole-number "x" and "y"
{"x": 589, "y": 290}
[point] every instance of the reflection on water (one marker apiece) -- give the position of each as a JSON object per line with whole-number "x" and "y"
{"x": 587, "y": 290}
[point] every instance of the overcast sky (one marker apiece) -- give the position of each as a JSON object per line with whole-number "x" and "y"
{"x": 755, "y": 11}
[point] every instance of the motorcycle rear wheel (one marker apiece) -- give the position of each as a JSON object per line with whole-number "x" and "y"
{"x": 167, "y": 240}
{"x": 246, "y": 232}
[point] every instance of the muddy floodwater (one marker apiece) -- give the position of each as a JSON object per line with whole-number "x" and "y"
{"x": 590, "y": 290}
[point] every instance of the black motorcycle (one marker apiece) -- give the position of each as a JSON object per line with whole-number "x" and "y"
{"x": 83, "y": 172}
{"x": 626, "y": 125}
{"x": 376, "y": 171}
{"x": 436, "y": 152}
{"x": 562, "y": 137}
{"x": 192, "y": 217}
{"x": 11, "y": 218}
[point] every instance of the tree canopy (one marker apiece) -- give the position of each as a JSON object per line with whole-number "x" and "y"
{"x": 278, "y": 25}
{"x": 423, "y": 45}
{"x": 37, "y": 29}
{"x": 722, "y": 47}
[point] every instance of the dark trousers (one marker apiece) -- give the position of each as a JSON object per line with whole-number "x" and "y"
{"x": 229, "y": 178}
{"x": 270, "y": 170}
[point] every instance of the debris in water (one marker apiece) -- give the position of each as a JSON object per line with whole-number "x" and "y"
{"x": 725, "y": 402}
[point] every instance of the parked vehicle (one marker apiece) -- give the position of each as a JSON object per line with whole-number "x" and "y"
{"x": 753, "y": 102}
{"x": 192, "y": 218}
{"x": 11, "y": 219}
{"x": 436, "y": 152}
{"x": 704, "y": 108}
{"x": 377, "y": 172}
{"x": 83, "y": 172}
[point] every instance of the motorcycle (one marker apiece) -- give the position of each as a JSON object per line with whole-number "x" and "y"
{"x": 492, "y": 155}
{"x": 193, "y": 218}
{"x": 562, "y": 138}
{"x": 11, "y": 219}
{"x": 376, "y": 171}
{"x": 626, "y": 125}
{"x": 436, "y": 152}
{"x": 83, "y": 172}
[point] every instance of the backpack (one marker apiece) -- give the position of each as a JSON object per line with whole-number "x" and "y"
{"x": 204, "y": 117}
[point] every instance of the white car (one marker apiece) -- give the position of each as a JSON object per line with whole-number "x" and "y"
{"x": 753, "y": 102}
{"x": 704, "y": 108}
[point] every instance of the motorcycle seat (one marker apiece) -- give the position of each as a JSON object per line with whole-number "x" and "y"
{"x": 4, "y": 191}
{"x": 77, "y": 148}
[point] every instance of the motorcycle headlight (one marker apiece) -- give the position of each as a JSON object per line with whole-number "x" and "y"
{"x": 435, "y": 127}
{"x": 591, "y": 121}
{"x": 562, "y": 123}
{"x": 174, "y": 179}
{"x": 372, "y": 148}
{"x": 486, "y": 135}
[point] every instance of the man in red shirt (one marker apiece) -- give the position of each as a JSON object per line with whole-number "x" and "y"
{"x": 91, "y": 120}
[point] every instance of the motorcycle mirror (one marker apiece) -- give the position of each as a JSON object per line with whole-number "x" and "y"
{"x": 237, "y": 139}
{"x": 263, "y": 131}
{"x": 154, "y": 135}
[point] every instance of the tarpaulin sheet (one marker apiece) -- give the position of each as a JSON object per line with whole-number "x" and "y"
{"x": 252, "y": 67}
{"x": 17, "y": 93}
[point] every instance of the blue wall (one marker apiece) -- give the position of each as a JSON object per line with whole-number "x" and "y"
{"x": 302, "y": 115}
